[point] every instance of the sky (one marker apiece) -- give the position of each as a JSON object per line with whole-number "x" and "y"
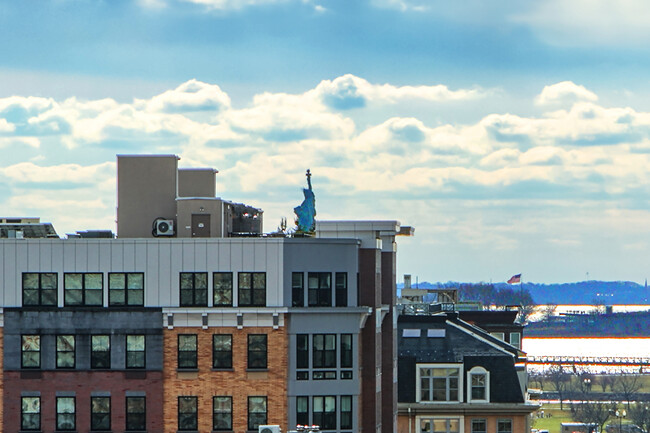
{"x": 514, "y": 136}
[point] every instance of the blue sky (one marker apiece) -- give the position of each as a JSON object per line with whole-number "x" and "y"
{"x": 515, "y": 136}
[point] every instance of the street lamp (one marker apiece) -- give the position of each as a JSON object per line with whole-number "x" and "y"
{"x": 620, "y": 414}
{"x": 587, "y": 383}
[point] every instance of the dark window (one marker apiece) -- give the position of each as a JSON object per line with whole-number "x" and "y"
{"x": 65, "y": 351}
{"x": 222, "y": 351}
{"x": 65, "y": 413}
{"x": 222, "y": 285}
{"x": 188, "y": 414}
{"x": 302, "y": 375}
{"x": 126, "y": 288}
{"x": 100, "y": 413}
{"x": 341, "y": 289}
{"x": 478, "y": 383}
{"x": 324, "y": 351}
{"x": 257, "y": 351}
{"x": 30, "y": 413}
{"x": 302, "y": 410}
{"x": 100, "y": 351}
{"x": 302, "y": 348}
{"x": 257, "y": 413}
{"x": 504, "y": 426}
{"x": 83, "y": 289}
{"x": 298, "y": 289}
{"x": 136, "y": 414}
{"x": 252, "y": 289}
{"x": 194, "y": 289}
{"x": 221, "y": 413}
{"x": 40, "y": 289}
{"x": 324, "y": 412}
{"x": 346, "y": 411}
{"x": 135, "y": 351}
{"x": 319, "y": 285}
{"x": 479, "y": 426}
{"x": 187, "y": 351}
{"x": 30, "y": 351}
{"x": 346, "y": 350}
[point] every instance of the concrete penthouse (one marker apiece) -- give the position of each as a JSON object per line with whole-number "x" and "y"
{"x": 192, "y": 320}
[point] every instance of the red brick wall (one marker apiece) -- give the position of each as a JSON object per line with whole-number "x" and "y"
{"x": 518, "y": 422}
{"x": 238, "y": 383}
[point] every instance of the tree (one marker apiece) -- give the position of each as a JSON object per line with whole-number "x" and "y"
{"x": 639, "y": 413}
{"x": 593, "y": 412}
{"x": 627, "y": 385}
{"x": 605, "y": 380}
{"x": 560, "y": 380}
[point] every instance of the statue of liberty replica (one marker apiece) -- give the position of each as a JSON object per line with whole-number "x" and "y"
{"x": 306, "y": 212}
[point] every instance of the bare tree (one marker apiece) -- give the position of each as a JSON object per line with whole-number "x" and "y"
{"x": 639, "y": 413}
{"x": 592, "y": 412}
{"x": 560, "y": 380}
{"x": 548, "y": 311}
{"x": 627, "y": 385}
{"x": 605, "y": 380}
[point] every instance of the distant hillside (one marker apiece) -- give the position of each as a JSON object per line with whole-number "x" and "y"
{"x": 585, "y": 292}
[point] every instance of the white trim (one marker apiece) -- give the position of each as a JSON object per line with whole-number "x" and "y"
{"x": 418, "y": 382}
{"x": 518, "y": 347}
{"x": 460, "y": 418}
{"x": 483, "y": 339}
{"x": 478, "y": 370}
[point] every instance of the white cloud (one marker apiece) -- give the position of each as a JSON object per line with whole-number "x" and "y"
{"x": 564, "y": 93}
{"x": 65, "y": 173}
{"x": 190, "y": 96}
{"x": 232, "y": 4}
{"x": 6, "y": 126}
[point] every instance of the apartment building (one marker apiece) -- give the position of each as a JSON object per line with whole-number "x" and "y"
{"x": 192, "y": 320}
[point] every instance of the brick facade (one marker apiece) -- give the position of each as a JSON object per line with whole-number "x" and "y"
{"x": 239, "y": 383}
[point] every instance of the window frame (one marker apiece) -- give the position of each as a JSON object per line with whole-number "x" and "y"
{"x": 302, "y": 417}
{"x": 97, "y": 353}
{"x": 448, "y": 388}
{"x": 93, "y": 414}
{"x": 518, "y": 338}
{"x": 192, "y": 355}
{"x": 350, "y": 412}
{"x": 143, "y": 351}
{"x": 195, "y": 302}
{"x": 318, "y": 418}
{"x": 59, "y": 361}
{"x": 40, "y": 289}
{"x": 23, "y": 352}
{"x": 507, "y": 421}
{"x": 228, "y": 413}
{"x": 256, "y": 295}
{"x": 253, "y": 354}
{"x": 193, "y": 417}
{"x": 324, "y": 358}
{"x": 128, "y": 291}
{"x": 128, "y": 415}
{"x": 215, "y": 291}
{"x": 347, "y": 354}
{"x": 215, "y": 352}
{"x": 447, "y": 419}
{"x": 297, "y": 289}
{"x": 478, "y": 371}
{"x": 23, "y": 413}
{"x": 473, "y": 429}
{"x": 319, "y": 296}
{"x": 341, "y": 289}
{"x": 302, "y": 351}
{"x": 252, "y": 425}
{"x": 83, "y": 289}
{"x": 62, "y": 414}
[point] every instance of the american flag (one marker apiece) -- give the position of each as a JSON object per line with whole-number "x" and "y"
{"x": 515, "y": 279}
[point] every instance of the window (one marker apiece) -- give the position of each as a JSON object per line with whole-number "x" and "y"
{"x": 438, "y": 384}
{"x": 324, "y": 412}
{"x": 346, "y": 350}
{"x": 257, "y": 413}
{"x": 498, "y": 335}
{"x": 319, "y": 285}
{"x": 65, "y": 413}
{"x": 30, "y": 413}
{"x": 30, "y": 351}
{"x": 222, "y": 351}
{"x": 257, "y": 350}
{"x": 515, "y": 339}
{"x": 346, "y": 411}
{"x": 252, "y": 289}
{"x": 479, "y": 426}
{"x": 126, "y": 288}
{"x": 324, "y": 351}
{"x": 504, "y": 426}
{"x": 136, "y": 411}
{"x": 341, "y": 289}
{"x": 297, "y": 289}
{"x": 83, "y": 289}
{"x": 100, "y": 413}
{"x": 135, "y": 351}
{"x": 221, "y": 413}
{"x": 411, "y": 333}
{"x": 187, "y": 351}
{"x": 302, "y": 351}
{"x": 194, "y": 289}
{"x": 188, "y": 413}
{"x": 39, "y": 289}
{"x": 439, "y": 425}
{"x": 479, "y": 384}
{"x": 222, "y": 285}
{"x": 65, "y": 351}
{"x": 100, "y": 351}
{"x": 302, "y": 410}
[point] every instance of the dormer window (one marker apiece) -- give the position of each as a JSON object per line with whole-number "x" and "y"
{"x": 439, "y": 383}
{"x": 478, "y": 385}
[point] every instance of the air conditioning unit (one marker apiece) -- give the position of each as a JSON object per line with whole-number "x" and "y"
{"x": 269, "y": 429}
{"x": 164, "y": 228}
